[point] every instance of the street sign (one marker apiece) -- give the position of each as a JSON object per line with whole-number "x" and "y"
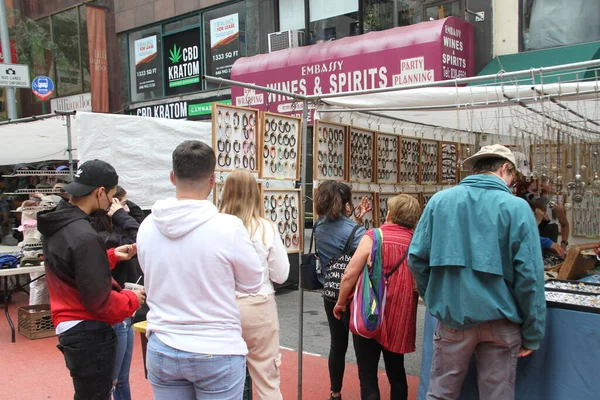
{"x": 14, "y": 75}
{"x": 42, "y": 87}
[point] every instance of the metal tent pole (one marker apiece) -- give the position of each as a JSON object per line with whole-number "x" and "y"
{"x": 68, "y": 115}
{"x": 70, "y": 146}
{"x": 300, "y": 289}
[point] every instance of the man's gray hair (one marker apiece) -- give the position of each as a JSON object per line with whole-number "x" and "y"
{"x": 490, "y": 164}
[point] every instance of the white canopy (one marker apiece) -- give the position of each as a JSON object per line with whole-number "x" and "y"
{"x": 35, "y": 141}
{"x": 458, "y": 112}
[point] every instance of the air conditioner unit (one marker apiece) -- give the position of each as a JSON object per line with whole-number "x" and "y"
{"x": 285, "y": 40}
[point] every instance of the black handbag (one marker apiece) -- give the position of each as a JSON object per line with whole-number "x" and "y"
{"x": 308, "y": 268}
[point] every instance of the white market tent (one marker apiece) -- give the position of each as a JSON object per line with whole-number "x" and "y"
{"x": 31, "y": 140}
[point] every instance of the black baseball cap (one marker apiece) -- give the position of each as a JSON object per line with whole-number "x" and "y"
{"x": 91, "y": 175}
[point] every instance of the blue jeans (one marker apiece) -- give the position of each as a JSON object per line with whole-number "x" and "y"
{"x": 179, "y": 375}
{"x": 125, "y": 337}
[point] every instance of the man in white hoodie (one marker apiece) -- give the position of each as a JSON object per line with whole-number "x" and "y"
{"x": 194, "y": 259}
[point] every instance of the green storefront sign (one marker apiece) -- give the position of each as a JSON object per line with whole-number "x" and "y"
{"x": 204, "y": 108}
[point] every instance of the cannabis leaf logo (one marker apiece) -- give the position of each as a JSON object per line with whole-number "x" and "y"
{"x": 175, "y": 54}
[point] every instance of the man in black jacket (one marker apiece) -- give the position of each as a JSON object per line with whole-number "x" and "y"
{"x": 84, "y": 299}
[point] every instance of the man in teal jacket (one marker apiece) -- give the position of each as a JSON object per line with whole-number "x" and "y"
{"x": 477, "y": 261}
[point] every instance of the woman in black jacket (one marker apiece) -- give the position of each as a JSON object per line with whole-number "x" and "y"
{"x": 117, "y": 227}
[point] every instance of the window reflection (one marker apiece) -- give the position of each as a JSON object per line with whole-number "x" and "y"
{"x": 386, "y": 14}
{"x": 334, "y": 28}
{"x": 65, "y": 32}
{"x": 441, "y": 11}
{"x": 552, "y": 23}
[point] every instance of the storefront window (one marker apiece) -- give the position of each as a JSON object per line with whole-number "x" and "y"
{"x": 385, "y": 14}
{"x": 224, "y": 39}
{"x": 552, "y": 23}
{"x": 85, "y": 51}
{"x": 291, "y": 15}
{"x": 145, "y": 59}
{"x": 65, "y": 33}
{"x": 443, "y": 10}
{"x": 333, "y": 19}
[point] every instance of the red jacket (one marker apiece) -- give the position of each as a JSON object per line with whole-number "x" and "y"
{"x": 78, "y": 270}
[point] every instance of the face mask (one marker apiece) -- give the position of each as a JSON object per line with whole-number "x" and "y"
{"x": 107, "y": 209}
{"x": 502, "y": 179}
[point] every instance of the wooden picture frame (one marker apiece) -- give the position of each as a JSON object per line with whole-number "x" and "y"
{"x": 235, "y": 137}
{"x": 430, "y": 162}
{"x": 281, "y": 205}
{"x": 361, "y": 155}
{"x": 449, "y": 159}
{"x": 324, "y": 146}
{"x": 280, "y": 146}
{"x": 410, "y": 161}
{"x": 387, "y": 158}
{"x": 369, "y": 219}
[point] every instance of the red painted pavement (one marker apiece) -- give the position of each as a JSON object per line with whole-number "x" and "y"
{"x": 35, "y": 370}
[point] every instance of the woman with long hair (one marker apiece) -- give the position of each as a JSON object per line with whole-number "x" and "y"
{"x": 117, "y": 228}
{"x": 398, "y": 332}
{"x": 333, "y": 205}
{"x": 241, "y": 197}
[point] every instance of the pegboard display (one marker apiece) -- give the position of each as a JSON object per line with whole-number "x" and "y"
{"x": 235, "y": 137}
{"x": 430, "y": 151}
{"x": 586, "y": 216}
{"x": 449, "y": 166}
{"x": 365, "y": 209}
{"x": 387, "y": 158}
{"x": 329, "y": 154}
{"x": 362, "y": 145}
{"x": 283, "y": 207}
{"x": 410, "y": 161}
{"x": 281, "y": 147}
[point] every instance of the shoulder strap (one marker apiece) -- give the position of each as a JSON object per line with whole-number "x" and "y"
{"x": 312, "y": 236}
{"x": 350, "y": 239}
{"x": 397, "y": 265}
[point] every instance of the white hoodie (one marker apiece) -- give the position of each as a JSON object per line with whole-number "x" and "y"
{"x": 194, "y": 259}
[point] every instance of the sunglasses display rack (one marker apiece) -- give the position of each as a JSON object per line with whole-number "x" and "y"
{"x": 330, "y": 151}
{"x": 430, "y": 152}
{"x": 586, "y": 217}
{"x": 361, "y": 155}
{"x": 449, "y": 163}
{"x": 235, "y": 137}
{"x": 281, "y": 147}
{"x": 283, "y": 208}
{"x": 365, "y": 209}
{"x": 387, "y": 158}
{"x": 410, "y": 152}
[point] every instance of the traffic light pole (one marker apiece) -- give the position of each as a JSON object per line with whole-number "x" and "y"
{"x": 11, "y": 103}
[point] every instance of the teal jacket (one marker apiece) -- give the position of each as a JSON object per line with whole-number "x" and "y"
{"x": 476, "y": 257}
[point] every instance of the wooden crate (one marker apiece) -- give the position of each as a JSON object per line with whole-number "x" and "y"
{"x": 35, "y": 322}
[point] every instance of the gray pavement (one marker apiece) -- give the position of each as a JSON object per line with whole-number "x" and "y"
{"x": 316, "y": 330}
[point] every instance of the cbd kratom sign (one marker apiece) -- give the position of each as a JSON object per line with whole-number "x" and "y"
{"x": 182, "y": 58}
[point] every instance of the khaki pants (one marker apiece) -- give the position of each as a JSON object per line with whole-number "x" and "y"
{"x": 260, "y": 330}
{"x": 496, "y": 345}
